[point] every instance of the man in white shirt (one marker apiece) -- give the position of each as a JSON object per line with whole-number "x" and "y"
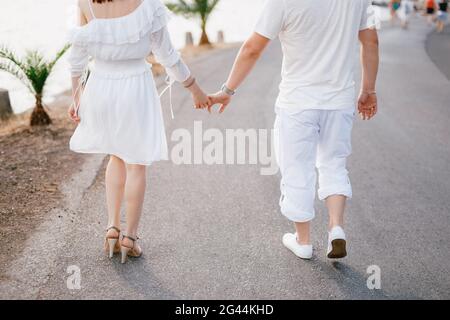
{"x": 316, "y": 104}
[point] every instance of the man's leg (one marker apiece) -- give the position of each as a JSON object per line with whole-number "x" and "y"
{"x": 334, "y": 184}
{"x": 333, "y": 150}
{"x": 303, "y": 230}
{"x": 336, "y": 207}
{"x": 296, "y": 146}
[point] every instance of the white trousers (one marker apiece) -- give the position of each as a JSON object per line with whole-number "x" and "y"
{"x": 307, "y": 140}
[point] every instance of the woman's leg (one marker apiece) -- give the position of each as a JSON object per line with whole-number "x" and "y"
{"x": 115, "y": 186}
{"x": 134, "y": 197}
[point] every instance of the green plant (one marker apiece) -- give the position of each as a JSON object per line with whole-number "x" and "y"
{"x": 200, "y": 8}
{"x": 33, "y": 71}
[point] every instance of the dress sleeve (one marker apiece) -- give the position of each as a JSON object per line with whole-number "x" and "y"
{"x": 272, "y": 19}
{"x": 78, "y": 60}
{"x": 166, "y": 54}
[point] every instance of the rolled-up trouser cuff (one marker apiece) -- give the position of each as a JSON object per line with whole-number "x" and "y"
{"x": 298, "y": 216}
{"x": 343, "y": 190}
{"x": 293, "y": 212}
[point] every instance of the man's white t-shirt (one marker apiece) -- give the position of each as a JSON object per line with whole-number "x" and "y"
{"x": 319, "y": 40}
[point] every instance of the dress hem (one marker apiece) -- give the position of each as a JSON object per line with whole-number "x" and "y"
{"x": 126, "y": 160}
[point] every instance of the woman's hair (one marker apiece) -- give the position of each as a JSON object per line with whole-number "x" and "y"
{"x": 101, "y": 1}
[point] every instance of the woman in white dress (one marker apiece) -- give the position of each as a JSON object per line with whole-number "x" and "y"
{"x": 118, "y": 109}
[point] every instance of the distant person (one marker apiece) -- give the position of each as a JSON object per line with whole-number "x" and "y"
{"x": 405, "y": 12}
{"x": 430, "y": 7}
{"x": 316, "y": 105}
{"x": 394, "y": 6}
{"x": 416, "y": 6}
{"x": 442, "y": 15}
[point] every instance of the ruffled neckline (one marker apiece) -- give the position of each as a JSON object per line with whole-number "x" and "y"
{"x": 149, "y": 16}
{"x": 121, "y": 17}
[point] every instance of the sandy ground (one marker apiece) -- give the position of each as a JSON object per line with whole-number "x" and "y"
{"x": 34, "y": 162}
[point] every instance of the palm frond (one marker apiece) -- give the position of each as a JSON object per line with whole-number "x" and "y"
{"x": 182, "y": 7}
{"x": 17, "y": 73}
{"x": 9, "y": 55}
{"x": 212, "y": 6}
{"x": 33, "y": 69}
{"x": 201, "y": 8}
{"x": 58, "y": 56}
{"x": 36, "y": 70}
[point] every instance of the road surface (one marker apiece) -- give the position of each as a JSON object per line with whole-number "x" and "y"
{"x": 214, "y": 232}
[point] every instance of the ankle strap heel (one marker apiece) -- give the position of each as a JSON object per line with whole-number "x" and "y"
{"x": 127, "y": 251}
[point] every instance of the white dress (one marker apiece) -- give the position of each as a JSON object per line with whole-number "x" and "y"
{"x": 120, "y": 109}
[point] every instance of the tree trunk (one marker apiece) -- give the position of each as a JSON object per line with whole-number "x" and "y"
{"x": 5, "y": 105}
{"x": 39, "y": 116}
{"x": 204, "y": 40}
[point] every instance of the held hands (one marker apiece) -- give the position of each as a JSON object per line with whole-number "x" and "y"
{"x": 220, "y": 98}
{"x": 201, "y": 100}
{"x": 367, "y": 105}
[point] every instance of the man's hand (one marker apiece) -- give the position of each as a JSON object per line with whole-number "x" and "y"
{"x": 219, "y": 98}
{"x": 367, "y": 105}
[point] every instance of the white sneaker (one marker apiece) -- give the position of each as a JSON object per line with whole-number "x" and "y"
{"x": 301, "y": 251}
{"x": 336, "y": 243}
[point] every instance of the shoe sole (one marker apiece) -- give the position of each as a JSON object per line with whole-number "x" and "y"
{"x": 338, "y": 249}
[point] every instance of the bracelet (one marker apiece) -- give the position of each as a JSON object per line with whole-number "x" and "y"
{"x": 370, "y": 93}
{"x": 190, "y": 84}
{"x": 227, "y": 90}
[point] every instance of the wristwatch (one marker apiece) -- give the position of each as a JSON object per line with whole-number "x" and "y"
{"x": 227, "y": 90}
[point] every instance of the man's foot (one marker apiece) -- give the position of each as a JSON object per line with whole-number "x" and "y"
{"x": 301, "y": 251}
{"x": 336, "y": 243}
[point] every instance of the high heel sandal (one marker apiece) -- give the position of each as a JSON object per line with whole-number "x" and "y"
{"x": 112, "y": 244}
{"x": 129, "y": 252}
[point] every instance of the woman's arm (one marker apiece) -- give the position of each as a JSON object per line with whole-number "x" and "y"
{"x": 243, "y": 65}
{"x": 78, "y": 60}
{"x": 176, "y": 69}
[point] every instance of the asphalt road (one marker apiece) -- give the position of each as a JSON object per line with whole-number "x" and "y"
{"x": 214, "y": 232}
{"x": 438, "y": 47}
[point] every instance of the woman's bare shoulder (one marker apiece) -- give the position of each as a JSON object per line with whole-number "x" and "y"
{"x": 84, "y": 5}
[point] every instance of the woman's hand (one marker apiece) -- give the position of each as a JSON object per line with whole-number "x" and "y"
{"x": 77, "y": 90}
{"x": 73, "y": 109}
{"x": 201, "y": 100}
